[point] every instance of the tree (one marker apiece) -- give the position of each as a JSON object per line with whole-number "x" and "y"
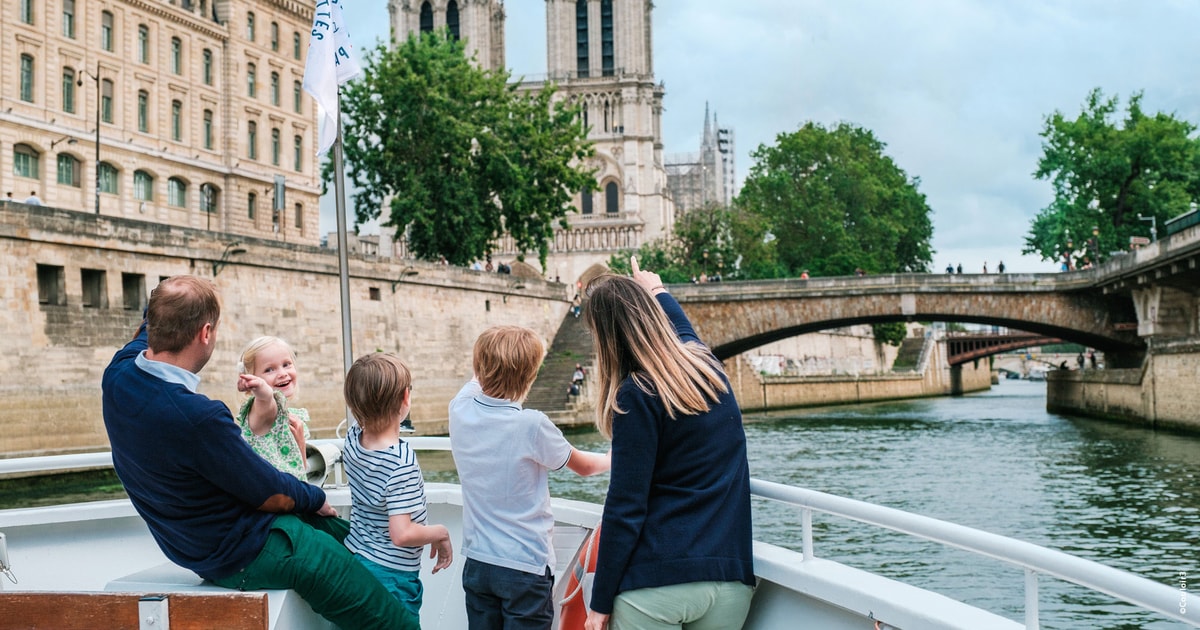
{"x": 1106, "y": 174}
{"x": 456, "y": 154}
{"x": 835, "y": 203}
{"x": 703, "y": 241}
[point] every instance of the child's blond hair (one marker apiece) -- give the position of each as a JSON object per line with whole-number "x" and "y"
{"x": 375, "y": 388}
{"x": 250, "y": 352}
{"x": 506, "y": 361}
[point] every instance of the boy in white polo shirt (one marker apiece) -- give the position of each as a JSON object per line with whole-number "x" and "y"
{"x": 504, "y": 453}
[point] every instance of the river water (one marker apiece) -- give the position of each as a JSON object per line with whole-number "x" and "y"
{"x": 996, "y": 461}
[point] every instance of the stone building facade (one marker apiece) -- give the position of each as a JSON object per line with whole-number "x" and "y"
{"x": 599, "y": 53}
{"x": 198, "y": 106}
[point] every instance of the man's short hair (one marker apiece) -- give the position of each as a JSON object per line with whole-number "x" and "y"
{"x": 506, "y": 361}
{"x": 179, "y": 308}
{"x": 375, "y": 387}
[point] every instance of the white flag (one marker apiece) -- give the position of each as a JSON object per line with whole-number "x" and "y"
{"x": 330, "y": 63}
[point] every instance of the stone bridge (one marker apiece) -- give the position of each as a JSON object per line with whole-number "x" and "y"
{"x": 1150, "y": 292}
{"x": 734, "y": 317}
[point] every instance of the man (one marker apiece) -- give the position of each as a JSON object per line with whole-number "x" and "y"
{"x": 32, "y": 199}
{"x": 213, "y": 505}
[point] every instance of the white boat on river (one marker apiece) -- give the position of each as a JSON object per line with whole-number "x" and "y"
{"x": 95, "y": 565}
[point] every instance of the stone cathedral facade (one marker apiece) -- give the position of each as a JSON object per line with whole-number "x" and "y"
{"x": 599, "y": 53}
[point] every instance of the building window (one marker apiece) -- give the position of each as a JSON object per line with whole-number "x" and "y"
{"x": 581, "y": 37}
{"x": 250, "y": 26}
{"x": 612, "y": 202}
{"x": 207, "y": 67}
{"x": 275, "y": 88}
{"x": 143, "y": 111}
{"x": 25, "y": 162}
{"x": 143, "y": 43}
{"x": 176, "y": 192}
{"x": 27, "y": 11}
{"x": 208, "y": 129}
{"x": 275, "y": 148}
{"x": 27, "y": 78}
{"x": 95, "y": 293}
{"x": 106, "y": 100}
{"x": 275, "y": 36}
{"x": 297, "y": 153}
{"x": 374, "y": 294}
{"x": 68, "y": 90}
{"x": 606, "y": 37}
{"x": 108, "y": 178}
{"x": 68, "y": 23}
{"x": 133, "y": 291}
{"x": 208, "y": 198}
{"x": 106, "y": 30}
{"x": 252, "y": 140}
{"x": 585, "y": 202}
{"x": 297, "y": 97}
{"x": 177, "y": 121}
{"x": 299, "y": 219}
{"x": 52, "y": 281}
{"x": 251, "y": 79}
{"x": 143, "y": 186}
{"x": 176, "y": 55}
{"x": 426, "y": 18}
{"x": 296, "y": 45}
{"x": 251, "y": 206}
{"x": 68, "y": 170}
{"x": 452, "y": 19}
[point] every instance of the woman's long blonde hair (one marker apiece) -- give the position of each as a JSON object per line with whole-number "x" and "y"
{"x": 633, "y": 337}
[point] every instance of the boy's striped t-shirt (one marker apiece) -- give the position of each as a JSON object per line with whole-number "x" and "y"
{"x": 383, "y": 483}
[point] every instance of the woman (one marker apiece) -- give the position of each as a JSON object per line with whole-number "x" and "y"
{"x": 675, "y": 543}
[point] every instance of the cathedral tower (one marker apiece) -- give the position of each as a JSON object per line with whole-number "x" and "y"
{"x": 599, "y": 54}
{"x": 479, "y": 23}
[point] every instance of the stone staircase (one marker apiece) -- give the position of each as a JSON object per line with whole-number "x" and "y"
{"x": 909, "y": 355}
{"x": 572, "y": 344}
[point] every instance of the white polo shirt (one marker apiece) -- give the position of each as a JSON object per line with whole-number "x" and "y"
{"x": 504, "y": 454}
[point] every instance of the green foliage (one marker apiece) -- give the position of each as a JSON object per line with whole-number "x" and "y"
{"x": 456, "y": 155}
{"x": 835, "y": 203}
{"x": 1105, "y": 174}
{"x": 701, "y": 243}
{"x": 891, "y": 333}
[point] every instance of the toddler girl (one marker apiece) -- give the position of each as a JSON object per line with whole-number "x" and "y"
{"x": 274, "y": 431}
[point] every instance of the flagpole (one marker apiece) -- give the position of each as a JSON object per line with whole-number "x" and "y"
{"x": 339, "y": 193}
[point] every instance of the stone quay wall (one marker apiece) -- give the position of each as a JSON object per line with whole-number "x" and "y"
{"x": 1157, "y": 395}
{"x": 756, "y": 392}
{"x": 96, "y": 272}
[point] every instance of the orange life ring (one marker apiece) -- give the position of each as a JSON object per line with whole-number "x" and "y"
{"x": 574, "y": 607}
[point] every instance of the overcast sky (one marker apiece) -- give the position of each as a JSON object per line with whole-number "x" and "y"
{"x": 957, "y": 89}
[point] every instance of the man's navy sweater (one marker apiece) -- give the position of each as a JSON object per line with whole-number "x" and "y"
{"x": 187, "y": 470}
{"x": 678, "y": 507}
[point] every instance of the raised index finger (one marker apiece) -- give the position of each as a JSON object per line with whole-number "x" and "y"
{"x": 633, "y": 264}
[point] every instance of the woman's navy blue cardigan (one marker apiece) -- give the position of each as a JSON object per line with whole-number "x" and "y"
{"x": 678, "y": 506}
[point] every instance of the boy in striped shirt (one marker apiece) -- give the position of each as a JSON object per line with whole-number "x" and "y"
{"x": 387, "y": 493}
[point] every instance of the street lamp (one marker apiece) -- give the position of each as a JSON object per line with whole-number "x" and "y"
{"x": 1153, "y": 226}
{"x": 67, "y": 139}
{"x": 79, "y": 82}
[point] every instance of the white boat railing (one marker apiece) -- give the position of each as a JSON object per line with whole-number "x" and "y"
{"x": 1033, "y": 558}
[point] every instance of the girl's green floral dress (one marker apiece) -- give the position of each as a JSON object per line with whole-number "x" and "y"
{"x": 277, "y": 445}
